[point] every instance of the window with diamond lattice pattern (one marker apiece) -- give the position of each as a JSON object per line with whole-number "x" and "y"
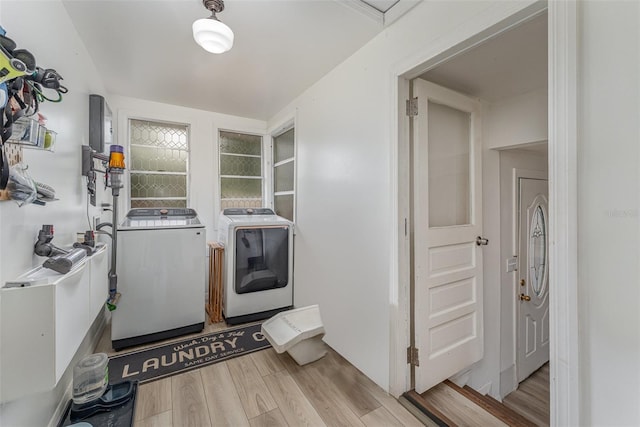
{"x": 159, "y": 156}
{"x": 240, "y": 170}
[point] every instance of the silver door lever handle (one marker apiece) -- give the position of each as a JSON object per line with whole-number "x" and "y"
{"x": 480, "y": 241}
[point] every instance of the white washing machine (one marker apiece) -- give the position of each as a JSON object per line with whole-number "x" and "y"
{"x": 161, "y": 264}
{"x": 258, "y": 266}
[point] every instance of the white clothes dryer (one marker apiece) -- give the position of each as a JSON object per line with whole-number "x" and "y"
{"x": 258, "y": 266}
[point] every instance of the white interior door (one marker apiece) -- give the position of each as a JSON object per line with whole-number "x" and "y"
{"x": 533, "y": 277}
{"x": 447, "y": 222}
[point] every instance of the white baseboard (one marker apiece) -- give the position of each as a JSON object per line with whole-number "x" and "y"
{"x": 485, "y": 389}
{"x": 461, "y": 378}
{"x": 508, "y": 381}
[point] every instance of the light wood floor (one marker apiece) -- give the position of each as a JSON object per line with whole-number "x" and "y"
{"x": 458, "y": 409}
{"x": 267, "y": 389}
{"x": 455, "y": 406}
{"x": 531, "y": 399}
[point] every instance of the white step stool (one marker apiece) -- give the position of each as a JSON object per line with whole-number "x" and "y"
{"x": 298, "y": 332}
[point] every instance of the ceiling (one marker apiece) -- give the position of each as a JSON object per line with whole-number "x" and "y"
{"x": 510, "y": 64}
{"x": 145, "y": 49}
{"x": 381, "y": 5}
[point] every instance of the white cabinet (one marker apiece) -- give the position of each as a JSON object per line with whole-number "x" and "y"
{"x": 43, "y": 324}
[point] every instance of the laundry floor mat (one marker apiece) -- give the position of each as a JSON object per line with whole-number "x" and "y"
{"x": 169, "y": 359}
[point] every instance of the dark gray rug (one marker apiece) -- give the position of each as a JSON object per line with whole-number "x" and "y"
{"x": 164, "y": 360}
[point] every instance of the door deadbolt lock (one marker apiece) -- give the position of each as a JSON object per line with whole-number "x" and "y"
{"x": 522, "y": 282}
{"x": 481, "y": 241}
{"x": 524, "y": 297}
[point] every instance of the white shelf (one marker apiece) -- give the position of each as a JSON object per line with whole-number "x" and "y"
{"x": 44, "y": 321}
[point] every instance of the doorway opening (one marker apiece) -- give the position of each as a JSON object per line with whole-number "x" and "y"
{"x": 471, "y": 317}
{"x": 525, "y": 281}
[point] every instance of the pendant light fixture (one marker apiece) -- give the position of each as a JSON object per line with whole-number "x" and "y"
{"x": 210, "y": 33}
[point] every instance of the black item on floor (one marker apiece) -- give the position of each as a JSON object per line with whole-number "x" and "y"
{"x": 168, "y": 359}
{"x": 116, "y": 408}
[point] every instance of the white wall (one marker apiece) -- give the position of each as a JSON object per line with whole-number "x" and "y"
{"x": 516, "y": 120}
{"x": 608, "y": 212}
{"x": 63, "y": 50}
{"x": 203, "y": 125}
{"x": 31, "y": 24}
{"x": 344, "y": 130}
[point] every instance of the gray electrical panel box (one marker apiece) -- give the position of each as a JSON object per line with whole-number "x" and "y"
{"x": 100, "y": 123}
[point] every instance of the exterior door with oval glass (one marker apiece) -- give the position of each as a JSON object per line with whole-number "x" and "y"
{"x": 533, "y": 282}
{"x": 447, "y": 227}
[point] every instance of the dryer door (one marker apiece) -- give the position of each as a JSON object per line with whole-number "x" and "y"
{"x": 261, "y": 258}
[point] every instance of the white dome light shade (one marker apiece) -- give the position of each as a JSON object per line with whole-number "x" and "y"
{"x": 213, "y": 35}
